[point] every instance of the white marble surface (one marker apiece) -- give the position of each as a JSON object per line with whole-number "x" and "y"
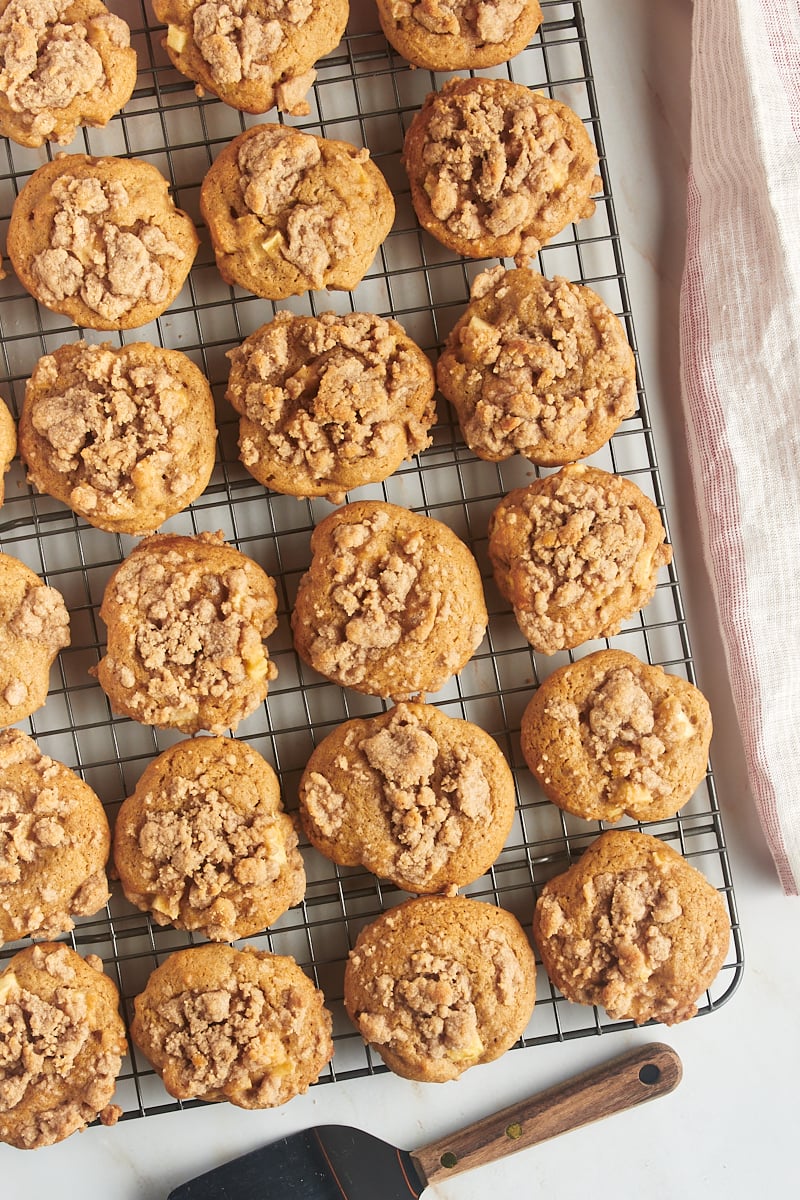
{"x": 730, "y": 1128}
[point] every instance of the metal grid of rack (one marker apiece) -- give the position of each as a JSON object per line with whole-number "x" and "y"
{"x": 367, "y": 95}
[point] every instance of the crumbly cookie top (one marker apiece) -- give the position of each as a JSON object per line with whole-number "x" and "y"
{"x": 329, "y": 390}
{"x": 493, "y": 160}
{"x": 576, "y": 543}
{"x": 31, "y": 819}
{"x": 47, "y": 61}
{"x": 543, "y": 367}
{"x": 429, "y": 1007}
{"x": 101, "y": 251}
{"x": 487, "y": 20}
{"x": 204, "y": 844}
{"x": 629, "y": 737}
{"x": 197, "y": 634}
{"x": 119, "y": 432}
{"x": 428, "y": 817}
{"x": 237, "y": 38}
{"x": 41, "y": 1042}
{"x": 272, "y": 164}
{"x": 38, "y": 813}
{"x": 627, "y": 940}
{"x": 238, "y": 1037}
{"x": 40, "y": 617}
{"x": 371, "y": 586}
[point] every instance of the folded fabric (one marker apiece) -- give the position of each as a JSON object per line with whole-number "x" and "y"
{"x": 740, "y": 365}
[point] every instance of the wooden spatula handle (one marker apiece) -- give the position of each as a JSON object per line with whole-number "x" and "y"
{"x": 632, "y": 1078}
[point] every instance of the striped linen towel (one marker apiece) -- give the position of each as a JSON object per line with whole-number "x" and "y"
{"x": 740, "y": 368}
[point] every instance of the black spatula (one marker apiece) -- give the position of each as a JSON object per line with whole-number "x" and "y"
{"x": 334, "y": 1162}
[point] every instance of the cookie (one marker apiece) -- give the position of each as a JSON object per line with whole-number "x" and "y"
{"x": 497, "y": 170}
{"x": 237, "y": 1025}
{"x": 632, "y": 927}
{"x": 63, "y": 64}
{"x": 204, "y": 844}
{"x": 440, "y": 984}
{"x": 288, "y": 212}
{"x": 54, "y": 843}
{"x": 253, "y": 54}
{"x": 392, "y": 603}
{"x": 330, "y": 403}
{"x": 61, "y": 1045}
{"x": 125, "y": 436}
{"x": 34, "y": 626}
{"x": 610, "y": 735}
{"x": 455, "y": 35}
{"x": 419, "y": 798}
{"x": 8, "y": 444}
{"x": 142, "y": 246}
{"x": 538, "y": 367}
{"x": 576, "y": 554}
{"x": 186, "y": 620}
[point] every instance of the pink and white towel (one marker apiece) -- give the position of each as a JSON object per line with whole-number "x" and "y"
{"x": 740, "y": 363}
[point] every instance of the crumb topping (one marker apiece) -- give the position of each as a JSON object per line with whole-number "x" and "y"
{"x": 575, "y": 546}
{"x": 47, "y": 61}
{"x": 431, "y": 797}
{"x": 630, "y": 736}
{"x": 330, "y": 392}
{"x": 197, "y": 635}
{"x": 491, "y": 167}
{"x": 119, "y": 433}
{"x": 30, "y": 820}
{"x": 239, "y": 38}
{"x": 43, "y": 1047}
{"x": 489, "y": 21}
{"x": 273, "y": 163}
{"x": 97, "y": 252}
{"x": 541, "y": 370}
{"x": 204, "y": 845}
{"x": 615, "y": 962}
{"x": 372, "y": 586}
{"x": 431, "y": 1008}
{"x": 235, "y": 1038}
{"x": 36, "y": 816}
{"x": 41, "y": 617}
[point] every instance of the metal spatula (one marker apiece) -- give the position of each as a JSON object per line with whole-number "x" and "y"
{"x": 334, "y": 1162}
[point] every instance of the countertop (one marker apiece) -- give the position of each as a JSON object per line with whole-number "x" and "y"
{"x": 729, "y": 1129}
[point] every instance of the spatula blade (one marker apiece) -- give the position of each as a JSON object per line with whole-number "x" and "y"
{"x": 330, "y": 1162}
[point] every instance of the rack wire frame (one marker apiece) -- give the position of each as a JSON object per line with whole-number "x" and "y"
{"x": 364, "y": 93}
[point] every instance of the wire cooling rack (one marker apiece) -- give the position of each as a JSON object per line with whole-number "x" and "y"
{"x": 367, "y": 95}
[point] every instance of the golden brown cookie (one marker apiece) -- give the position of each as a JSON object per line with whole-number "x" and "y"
{"x": 417, "y": 797}
{"x": 496, "y": 170}
{"x": 8, "y": 444}
{"x": 54, "y": 843}
{"x": 63, "y": 63}
{"x": 253, "y": 54}
{"x": 34, "y": 626}
{"x": 538, "y": 367}
{"x": 237, "y": 1025}
{"x": 125, "y": 436}
{"x": 440, "y": 984}
{"x": 392, "y": 604}
{"x": 61, "y": 1045}
{"x": 633, "y": 927}
{"x": 288, "y": 212}
{"x": 575, "y": 554}
{"x": 186, "y": 620}
{"x": 204, "y": 844}
{"x": 610, "y": 735}
{"x": 455, "y": 35}
{"x": 142, "y": 245}
{"x": 330, "y": 403}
